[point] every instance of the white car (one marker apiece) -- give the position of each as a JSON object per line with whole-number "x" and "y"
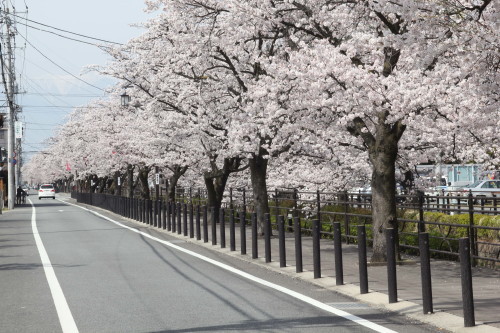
{"x": 486, "y": 188}
{"x": 46, "y": 191}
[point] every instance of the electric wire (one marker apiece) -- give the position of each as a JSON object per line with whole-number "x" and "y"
{"x": 59, "y": 106}
{"x": 33, "y": 83}
{"x": 23, "y": 48}
{"x": 63, "y": 95}
{"x": 69, "y": 32}
{"x": 59, "y": 78}
{"x": 59, "y": 35}
{"x": 53, "y": 62}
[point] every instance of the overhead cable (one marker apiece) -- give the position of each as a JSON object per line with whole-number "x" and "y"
{"x": 69, "y": 32}
{"x": 59, "y": 35}
{"x": 76, "y": 77}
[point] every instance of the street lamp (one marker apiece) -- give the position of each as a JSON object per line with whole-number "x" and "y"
{"x": 125, "y": 99}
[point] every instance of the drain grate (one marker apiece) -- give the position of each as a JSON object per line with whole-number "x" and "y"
{"x": 349, "y": 306}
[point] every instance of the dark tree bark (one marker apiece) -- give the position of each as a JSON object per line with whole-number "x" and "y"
{"x": 93, "y": 183}
{"x": 382, "y": 146}
{"x": 383, "y": 184}
{"x": 117, "y": 189}
{"x": 177, "y": 172}
{"x": 130, "y": 181}
{"x": 258, "y": 172}
{"x": 142, "y": 177}
{"x": 215, "y": 183}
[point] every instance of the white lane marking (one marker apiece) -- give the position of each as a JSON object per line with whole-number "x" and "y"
{"x": 68, "y": 324}
{"x": 299, "y": 296}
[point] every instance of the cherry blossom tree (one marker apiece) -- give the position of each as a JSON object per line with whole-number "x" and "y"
{"x": 343, "y": 86}
{"x": 408, "y": 80}
{"x": 168, "y": 85}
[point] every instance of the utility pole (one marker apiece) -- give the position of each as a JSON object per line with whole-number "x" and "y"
{"x": 9, "y": 84}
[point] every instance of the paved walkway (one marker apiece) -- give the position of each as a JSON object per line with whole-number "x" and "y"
{"x": 446, "y": 282}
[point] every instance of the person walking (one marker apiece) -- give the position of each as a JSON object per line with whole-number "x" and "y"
{"x": 24, "y": 195}
{"x": 19, "y": 195}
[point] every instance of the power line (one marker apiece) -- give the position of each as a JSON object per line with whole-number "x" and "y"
{"x": 51, "y": 73}
{"x": 76, "y": 77}
{"x": 63, "y": 95}
{"x": 59, "y": 35}
{"x": 57, "y": 106}
{"x": 69, "y": 32}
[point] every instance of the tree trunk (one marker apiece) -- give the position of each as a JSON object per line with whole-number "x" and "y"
{"x": 215, "y": 192}
{"x": 143, "y": 180}
{"x": 177, "y": 173}
{"x": 215, "y": 183}
{"x": 383, "y": 202}
{"x": 114, "y": 186}
{"x": 258, "y": 173}
{"x": 382, "y": 149}
{"x": 383, "y": 152}
{"x": 130, "y": 181}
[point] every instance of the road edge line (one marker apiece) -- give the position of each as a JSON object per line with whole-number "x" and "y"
{"x": 306, "y": 299}
{"x": 66, "y": 319}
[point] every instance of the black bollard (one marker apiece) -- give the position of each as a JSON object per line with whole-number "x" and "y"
{"x": 267, "y": 237}
{"x": 232, "y": 232}
{"x": 155, "y": 213}
{"x": 337, "y": 244}
{"x": 191, "y": 221}
{"x": 169, "y": 215}
{"x": 179, "y": 218}
{"x": 174, "y": 217}
{"x": 164, "y": 214}
{"x": 185, "y": 220}
{"x": 316, "y": 249}
{"x": 222, "y": 230}
{"x": 198, "y": 223}
{"x": 243, "y": 233}
{"x": 390, "y": 234}
{"x": 281, "y": 235}
{"x": 363, "y": 265}
{"x": 298, "y": 245}
{"x": 205, "y": 224}
{"x": 425, "y": 272}
{"x": 466, "y": 275}
{"x": 214, "y": 226}
{"x": 255, "y": 250}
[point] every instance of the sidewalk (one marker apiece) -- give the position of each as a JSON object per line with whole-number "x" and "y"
{"x": 446, "y": 282}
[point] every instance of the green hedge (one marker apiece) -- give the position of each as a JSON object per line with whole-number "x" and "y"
{"x": 445, "y": 236}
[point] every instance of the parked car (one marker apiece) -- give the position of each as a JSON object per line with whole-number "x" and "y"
{"x": 484, "y": 188}
{"x": 46, "y": 191}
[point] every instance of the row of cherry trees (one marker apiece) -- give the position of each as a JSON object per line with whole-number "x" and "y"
{"x": 292, "y": 92}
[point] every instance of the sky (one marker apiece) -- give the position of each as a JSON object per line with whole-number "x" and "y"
{"x": 48, "y": 93}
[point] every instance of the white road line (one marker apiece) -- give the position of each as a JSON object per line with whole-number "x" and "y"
{"x": 299, "y": 296}
{"x": 68, "y": 324}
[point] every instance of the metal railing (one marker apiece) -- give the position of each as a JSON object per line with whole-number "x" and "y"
{"x": 193, "y": 219}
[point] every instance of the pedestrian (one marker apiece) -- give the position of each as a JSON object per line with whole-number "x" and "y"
{"x": 24, "y": 195}
{"x": 19, "y": 195}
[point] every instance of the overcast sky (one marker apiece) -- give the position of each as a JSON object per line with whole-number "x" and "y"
{"x": 49, "y": 92}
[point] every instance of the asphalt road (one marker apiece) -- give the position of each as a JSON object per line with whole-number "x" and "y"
{"x": 64, "y": 268}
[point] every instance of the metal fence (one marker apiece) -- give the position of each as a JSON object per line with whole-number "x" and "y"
{"x": 341, "y": 216}
{"x": 445, "y": 218}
